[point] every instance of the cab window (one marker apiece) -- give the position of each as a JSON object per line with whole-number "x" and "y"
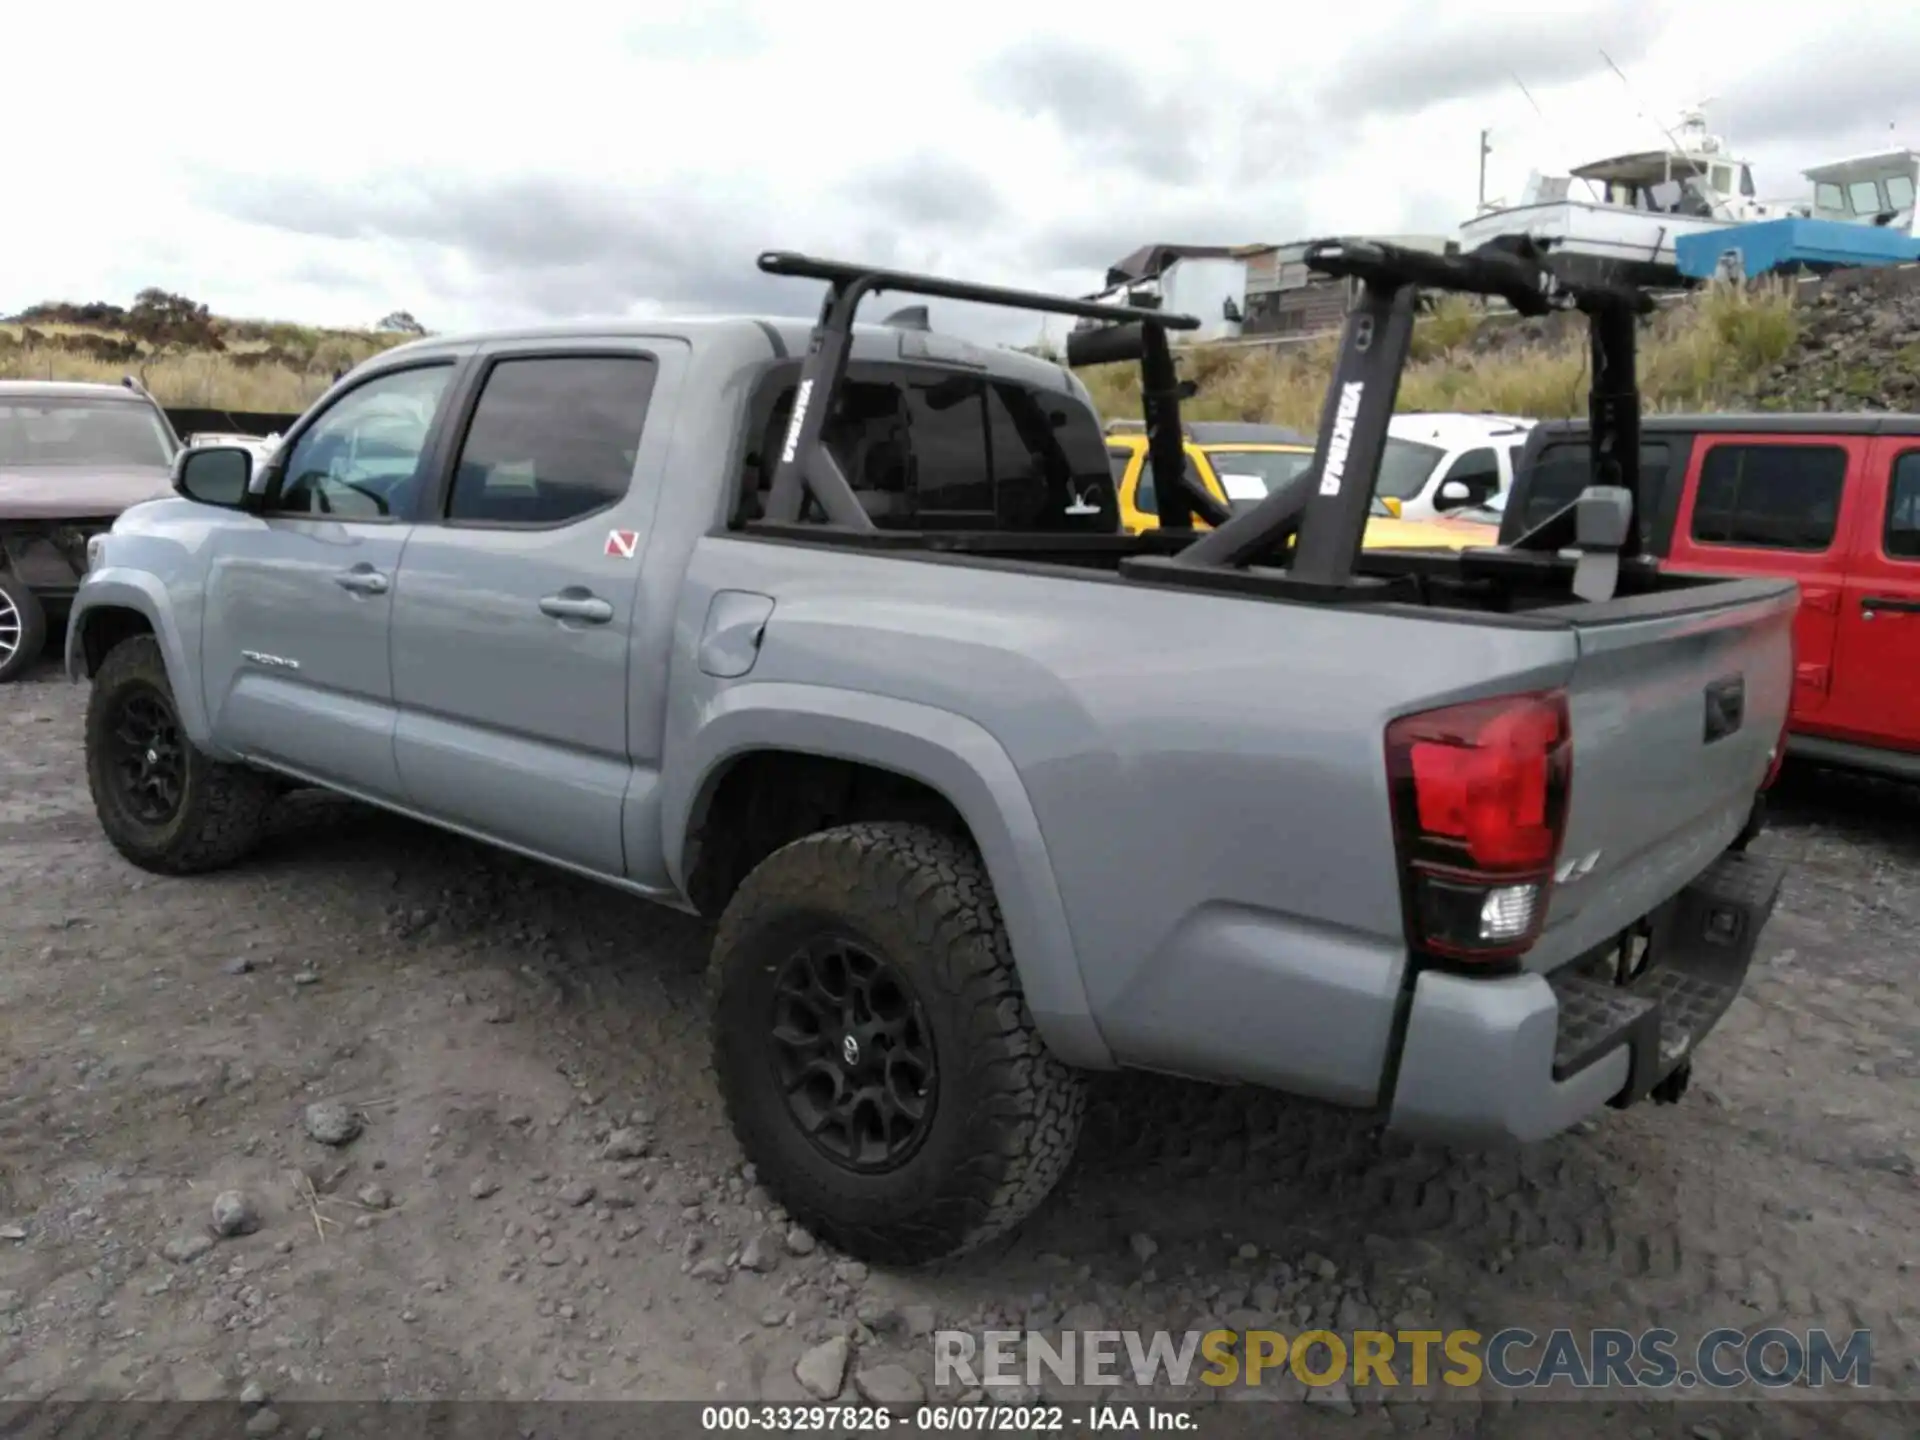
{"x": 1774, "y": 497}
{"x": 1564, "y": 468}
{"x": 1146, "y": 499}
{"x": 1271, "y": 468}
{"x": 929, "y": 449}
{"x": 552, "y": 440}
{"x": 1405, "y": 468}
{"x": 1479, "y": 471}
{"x": 361, "y": 459}
{"x": 1902, "y": 534}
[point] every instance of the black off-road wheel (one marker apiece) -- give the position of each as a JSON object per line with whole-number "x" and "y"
{"x": 164, "y": 805}
{"x": 877, "y": 1058}
{"x": 23, "y": 627}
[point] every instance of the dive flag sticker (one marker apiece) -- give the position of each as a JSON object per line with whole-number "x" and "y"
{"x": 622, "y": 543}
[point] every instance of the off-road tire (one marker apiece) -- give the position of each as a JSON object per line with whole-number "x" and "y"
{"x": 222, "y": 807}
{"x": 33, "y": 628}
{"x": 1006, "y": 1114}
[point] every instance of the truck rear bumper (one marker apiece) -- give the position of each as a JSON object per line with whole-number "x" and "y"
{"x": 1524, "y": 1057}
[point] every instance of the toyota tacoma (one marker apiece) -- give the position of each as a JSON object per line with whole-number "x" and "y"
{"x": 833, "y": 634}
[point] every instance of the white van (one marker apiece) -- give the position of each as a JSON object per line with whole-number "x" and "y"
{"x": 1435, "y": 463}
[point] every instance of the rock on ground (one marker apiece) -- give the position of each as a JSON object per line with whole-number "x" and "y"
{"x": 234, "y": 1214}
{"x": 823, "y": 1369}
{"x": 331, "y": 1122}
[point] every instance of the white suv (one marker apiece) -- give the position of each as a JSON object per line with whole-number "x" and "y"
{"x": 1435, "y": 464}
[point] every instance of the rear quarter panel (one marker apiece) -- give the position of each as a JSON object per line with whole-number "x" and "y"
{"x": 1207, "y": 773}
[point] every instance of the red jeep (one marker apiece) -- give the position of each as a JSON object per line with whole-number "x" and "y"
{"x": 1829, "y": 500}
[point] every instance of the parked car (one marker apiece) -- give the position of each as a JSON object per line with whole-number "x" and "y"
{"x": 1830, "y": 501}
{"x": 72, "y": 457}
{"x": 1239, "y": 471}
{"x": 262, "y": 446}
{"x": 1440, "y": 462}
{"x": 1489, "y": 515}
{"x": 832, "y": 634}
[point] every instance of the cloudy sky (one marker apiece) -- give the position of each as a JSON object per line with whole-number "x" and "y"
{"x": 562, "y": 159}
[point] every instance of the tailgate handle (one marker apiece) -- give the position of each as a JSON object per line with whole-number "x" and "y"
{"x": 1726, "y": 707}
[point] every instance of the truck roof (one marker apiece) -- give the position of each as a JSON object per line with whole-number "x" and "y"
{"x": 1229, "y": 432}
{"x": 1766, "y": 422}
{"x": 72, "y": 390}
{"x": 1218, "y": 432}
{"x": 873, "y": 343}
{"x": 1453, "y": 429}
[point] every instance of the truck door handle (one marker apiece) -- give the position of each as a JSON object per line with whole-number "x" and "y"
{"x": 1871, "y": 603}
{"x": 574, "y": 603}
{"x": 362, "y": 579}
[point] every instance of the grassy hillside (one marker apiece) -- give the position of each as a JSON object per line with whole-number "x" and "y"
{"x": 1706, "y": 354}
{"x": 183, "y": 354}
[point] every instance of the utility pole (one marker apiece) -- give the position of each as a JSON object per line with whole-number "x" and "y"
{"x": 1486, "y": 149}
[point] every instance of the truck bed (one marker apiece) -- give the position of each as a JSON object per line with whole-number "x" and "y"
{"x": 1654, "y": 799}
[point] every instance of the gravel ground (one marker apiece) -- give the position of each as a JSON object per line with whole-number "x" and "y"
{"x": 462, "y": 1106}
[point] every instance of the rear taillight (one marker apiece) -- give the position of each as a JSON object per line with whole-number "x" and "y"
{"x": 1479, "y": 803}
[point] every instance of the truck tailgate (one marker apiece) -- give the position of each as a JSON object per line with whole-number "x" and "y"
{"x": 1676, "y": 709}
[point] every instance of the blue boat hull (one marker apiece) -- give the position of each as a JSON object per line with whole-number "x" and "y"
{"x": 1793, "y": 244}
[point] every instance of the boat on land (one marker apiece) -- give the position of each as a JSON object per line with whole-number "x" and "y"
{"x": 1619, "y": 219}
{"x": 1860, "y": 214}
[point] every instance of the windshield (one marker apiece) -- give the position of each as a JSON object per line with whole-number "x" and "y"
{"x": 62, "y": 431}
{"x": 1405, "y": 468}
{"x": 1271, "y": 468}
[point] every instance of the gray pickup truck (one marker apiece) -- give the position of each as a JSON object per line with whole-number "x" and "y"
{"x": 831, "y": 633}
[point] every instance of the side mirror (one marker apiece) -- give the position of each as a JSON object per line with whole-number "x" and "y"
{"x": 1456, "y": 490}
{"x": 214, "y": 475}
{"x": 1393, "y": 505}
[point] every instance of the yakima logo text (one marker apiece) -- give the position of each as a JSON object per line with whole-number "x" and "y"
{"x": 1336, "y": 466}
{"x": 799, "y": 417}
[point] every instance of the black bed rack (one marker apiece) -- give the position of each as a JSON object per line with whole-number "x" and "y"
{"x": 806, "y": 466}
{"x": 1323, "y": 512}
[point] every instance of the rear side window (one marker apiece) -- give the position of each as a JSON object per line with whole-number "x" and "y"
{"x": 1773, "y": 497}
{"x": 1561, "y": 471}
{"x": 925, "y": 449}
{"x": 1146, "y": 496}
{"x": 553, "y": 439}
{"x": 1477, "y": 467}
{"x": 1902, "y": 536}
{"x": 1405, "y": 468}
{"x": 1119, "y": 457}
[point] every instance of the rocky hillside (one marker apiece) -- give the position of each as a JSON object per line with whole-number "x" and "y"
{"x": 1857, "y": 347}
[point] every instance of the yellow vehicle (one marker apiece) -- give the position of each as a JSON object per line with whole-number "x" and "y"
{"x": 1245, "y": 462}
